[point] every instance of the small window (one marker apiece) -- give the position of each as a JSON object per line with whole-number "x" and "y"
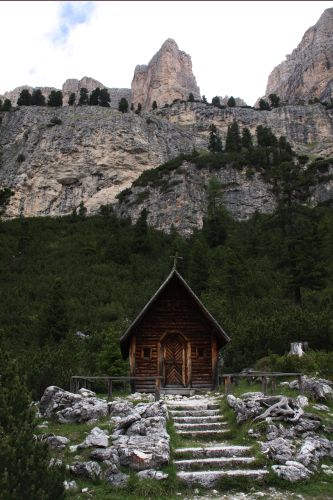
{"x": 146, "y": 353}
{"x": 200, "y": 352}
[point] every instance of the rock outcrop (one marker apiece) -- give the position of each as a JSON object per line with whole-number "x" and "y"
{"x": 13, "y": 95}
{"x": 167, "y": 77}
{"x": 308, "y": 71}
{"x": 54, "y": 159}
{"x": 73, "y": 85}
{"x": 87, "y": 154}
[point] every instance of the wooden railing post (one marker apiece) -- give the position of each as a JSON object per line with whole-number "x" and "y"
{"x": 109, "y": 388}
{"x": 264, "y": 384}
{"x": 157, "y": 388}
{"x": 300, "y": 383}
{"x": 273, "y": 386}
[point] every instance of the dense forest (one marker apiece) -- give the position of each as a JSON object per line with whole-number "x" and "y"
{"x": 268, "y": 281}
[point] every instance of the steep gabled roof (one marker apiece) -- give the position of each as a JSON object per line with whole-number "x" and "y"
{"x": 125, "y": 339}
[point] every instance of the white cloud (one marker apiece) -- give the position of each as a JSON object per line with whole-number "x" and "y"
{"x": 234, "y": 45}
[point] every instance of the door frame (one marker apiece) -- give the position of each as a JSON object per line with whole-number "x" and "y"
{"x": 187, "y": 362}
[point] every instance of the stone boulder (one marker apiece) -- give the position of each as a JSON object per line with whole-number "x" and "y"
{"x": 152, "y": 474}
{"x": 313, "y": 449}
{"x": 292, "y": 471}
{"x": 89, "y": 470}
{"x": 97, "y": 437}
{"x": 140, "y": 438}
{"x": 67, "y": 407}
{"x": 279, "y": 449}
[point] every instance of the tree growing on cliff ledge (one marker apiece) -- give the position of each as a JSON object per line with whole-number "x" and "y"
{"x": 233, "y": 139}
{"x": 154, "y": 105}
{"x": 55, "y": 99}
{"x": 275, "y": 100}
{"x": 104, "y": 98}
{"x": 83, "y": 96}
{"x": 37, "y": 98}
{"x": 123, "y": 105}
{"x": 6, "y": 106}
{"x": 24, "y": 98}
{"x": 216, "y": 101}
{"x": 215, "y": 142}
{"x": 191, "y": 97}
{"x": 94, "y": 97}
{"x": 231, "y": 102}
{"x": 263, "y": 105}
{"x": 72, "y": 99}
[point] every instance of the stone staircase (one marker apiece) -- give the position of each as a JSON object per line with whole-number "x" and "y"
{"x": 206, "y": 465}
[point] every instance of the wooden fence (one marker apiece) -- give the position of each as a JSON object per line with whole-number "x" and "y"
{"x": 78, "y": 381}
{"x": 229, "y": 380}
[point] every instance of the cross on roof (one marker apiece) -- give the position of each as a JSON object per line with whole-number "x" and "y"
{"x": 175, "y": 257}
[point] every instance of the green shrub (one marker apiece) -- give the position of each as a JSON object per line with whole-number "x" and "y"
{"x": 311, "y": 363}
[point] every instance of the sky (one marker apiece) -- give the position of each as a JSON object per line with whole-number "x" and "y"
{"x": 233, "y": 45}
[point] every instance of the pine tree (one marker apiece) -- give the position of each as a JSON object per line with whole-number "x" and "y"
{"x": 83, "y": 99}
{"x": 55, "y": 323}
{"x": 154, "y": 106}
{"x": 233, "y": 139}
{"x": 217, "y": 220}
{"x": 24, "y": 98}
{"x": 6, "y": 105}
{"x": 299, "y": 251}
{"x": 55, "y": 99}
{"x": 138, "y": 109}
{"x": 72, "y": 99}
{"x": 198, "y": 265}
{"x": 94, "y": 97}
{"x": 24, "y": 462}
{"x": 263, "y": 105}
{"x": 216, "y": 101}
{"x": 215, "y": 142}
{"x": 191, "y": 97}
{"x": 231, "y": 102}
{"x": 123, "y": 105}
{"x": 246, "y": 139}
{"x": 37, "y": 98}
{"x": 204, "y": 99}
{"x": 104, "y": 98}
{"x": 275, "y": 100}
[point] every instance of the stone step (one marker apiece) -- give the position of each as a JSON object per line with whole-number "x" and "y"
{"x": 209, "y": 478}
{"x": 194, "y": 413}
{"x": 202, "y": 433}
{"x": 212, "y": 426}
{"x": 197, "y": 420}
{"x": 214, "y": 451}
{"x": 193, "y": 407}
{"x": 213, "y": 462}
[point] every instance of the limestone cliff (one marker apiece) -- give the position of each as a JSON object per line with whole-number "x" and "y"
{"x": 178, "y": 197}
{"x": 308, "y": 71}
{"x": 168, "y": 76}
{"x": 55, "y": 159}
{"x": 72, "y": 85}
{"x": 309, "y": 129}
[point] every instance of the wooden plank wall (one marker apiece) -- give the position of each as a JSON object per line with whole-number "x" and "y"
{"x": 174, "y": 310}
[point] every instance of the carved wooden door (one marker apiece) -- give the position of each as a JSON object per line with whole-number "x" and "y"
{"x": 174, "y": 361}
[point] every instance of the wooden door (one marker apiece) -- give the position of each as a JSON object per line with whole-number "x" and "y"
{"x": 174, "y": 356}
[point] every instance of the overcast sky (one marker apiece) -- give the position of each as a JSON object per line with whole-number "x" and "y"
{"x": 233, "y": 45}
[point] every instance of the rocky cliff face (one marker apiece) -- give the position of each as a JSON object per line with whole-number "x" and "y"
{"x": 89, "y": 154}
{"x": 178, "y": 197}
{"x": 309, "y": 129}
{"x": 72, "y": 85}
{"x": 168, "y": 76}
{"x": 308, "y": 70}
{"x": 53, "y": 160}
